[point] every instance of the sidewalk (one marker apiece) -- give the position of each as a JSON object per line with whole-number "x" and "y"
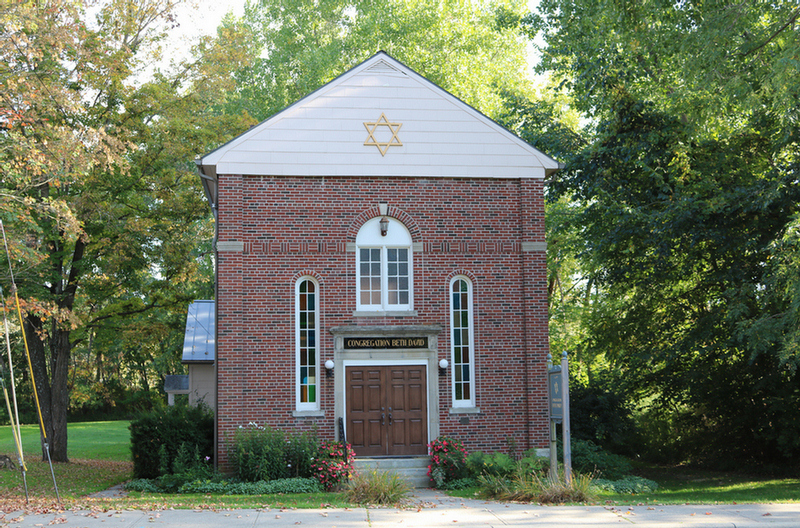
{"x": 435, "y": 509}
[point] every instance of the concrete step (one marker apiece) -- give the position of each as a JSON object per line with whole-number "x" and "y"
{"x": 413, "y": 469}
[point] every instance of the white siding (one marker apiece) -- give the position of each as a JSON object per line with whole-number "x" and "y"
{"x": 324, "y": 134}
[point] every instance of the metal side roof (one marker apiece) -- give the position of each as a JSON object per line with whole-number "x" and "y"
{"x": 198, "y": 343}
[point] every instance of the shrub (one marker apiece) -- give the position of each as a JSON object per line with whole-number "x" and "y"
{"x": 377, "y": 487}
{"x": 300, "y": 452}
{"x": 588, "y": 457}
{"x": 334, "y": 464}
{"x": 629, "y": 485}
{"x": 600, "y": 413}
{"x": 156, "y": 437}
{"x": 259, "y": 453}
{"x": 460, "y": 484}
{"x": 531, "y": 487}
{"x": 272, "y": 487}
{"x": 499, "y": 464}
{"x": 143, "y": 485}
{"x": 219, "y": 486}
{"x": 263, "y": 453}
{"x": 533, "y": 463}
{"x": 448, "y": 461}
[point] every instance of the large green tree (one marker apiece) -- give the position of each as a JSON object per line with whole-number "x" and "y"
{"x": 682, "y": 206}
{"x": 472, "y": 49}
{"x": 98, "y": 194}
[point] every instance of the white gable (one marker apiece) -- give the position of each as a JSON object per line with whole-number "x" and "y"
{"x": 339, "y": 130}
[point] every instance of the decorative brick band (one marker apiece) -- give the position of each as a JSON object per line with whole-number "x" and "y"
{"x": 449, "y": 246}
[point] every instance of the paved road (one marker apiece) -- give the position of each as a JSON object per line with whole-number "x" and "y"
{"x": 434, "y": 509}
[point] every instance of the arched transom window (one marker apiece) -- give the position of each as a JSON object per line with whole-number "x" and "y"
{"x": 384, "y": 279}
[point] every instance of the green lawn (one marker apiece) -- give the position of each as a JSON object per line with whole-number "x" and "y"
{"x": 99, "y": 455}
{"x": 679, "y": 485}
{"x": 87, "y": 440}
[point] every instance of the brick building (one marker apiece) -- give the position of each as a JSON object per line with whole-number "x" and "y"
{"x": 381, "y": 270}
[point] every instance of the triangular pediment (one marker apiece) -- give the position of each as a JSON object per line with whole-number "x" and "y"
{"x": 379, "y": 119}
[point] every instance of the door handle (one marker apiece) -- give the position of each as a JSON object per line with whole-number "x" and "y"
{"x": 390, "y": 416}
{"x": 384, "y": 416}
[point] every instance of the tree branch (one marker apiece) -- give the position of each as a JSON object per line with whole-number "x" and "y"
{"x": 791, "y": 21}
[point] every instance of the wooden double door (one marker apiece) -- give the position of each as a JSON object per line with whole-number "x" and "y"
{"x": 387, "y": 410}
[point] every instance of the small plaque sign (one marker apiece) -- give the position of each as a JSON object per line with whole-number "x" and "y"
{"x": 556, "y": 395}
{"x": 356, "y": 343}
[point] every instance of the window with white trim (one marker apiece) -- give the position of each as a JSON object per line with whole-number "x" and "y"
{"x": 384, "y": 278}
{"x": 462, "y": 343}
{"x": 306, "y": 344}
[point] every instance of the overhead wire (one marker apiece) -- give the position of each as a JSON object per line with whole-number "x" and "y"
{"x": 45, "y": 444}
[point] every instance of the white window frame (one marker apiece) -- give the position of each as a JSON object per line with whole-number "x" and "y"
{"x": 397, "y": 237}
{"x": 470, "y": 402}
{"x": 300, "y": 405}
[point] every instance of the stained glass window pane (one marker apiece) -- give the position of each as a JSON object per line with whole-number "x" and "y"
{"x": 306, "y": 342}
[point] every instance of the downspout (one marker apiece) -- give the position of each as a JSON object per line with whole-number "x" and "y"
{"x": 213, "y": 197}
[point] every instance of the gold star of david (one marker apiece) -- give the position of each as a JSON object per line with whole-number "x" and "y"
{"x": 383, "y": 146}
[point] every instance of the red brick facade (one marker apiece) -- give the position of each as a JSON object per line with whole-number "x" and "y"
{"x": 283, "y": 228}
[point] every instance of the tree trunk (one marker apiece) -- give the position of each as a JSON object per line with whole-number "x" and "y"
{"x": 51, "y": 385}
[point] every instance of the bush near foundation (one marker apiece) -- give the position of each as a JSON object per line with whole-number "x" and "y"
{"x": 262, "y": 453}
{"x": 158, "y": 436}
{"x": 448, "y": 461}
{"x": 333, "y": 465}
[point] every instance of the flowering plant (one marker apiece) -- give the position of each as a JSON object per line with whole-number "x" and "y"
{"x": 448, "y": 460}
{"x": 333, "y": 464}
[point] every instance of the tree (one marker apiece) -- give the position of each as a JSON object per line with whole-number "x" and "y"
{"x": 98, "y": 192}
{"x": 685, "y": 199}
{"x": 472, "y": 49}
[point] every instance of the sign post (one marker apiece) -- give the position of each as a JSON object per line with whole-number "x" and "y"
{"x": 565, "y": 429}
{"x": 558, "y": 392}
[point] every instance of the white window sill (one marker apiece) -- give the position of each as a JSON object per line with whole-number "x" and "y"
{"x": 308, "y": 414}
{"x": 380, "y": 313}
{"x": 465, "y": 410}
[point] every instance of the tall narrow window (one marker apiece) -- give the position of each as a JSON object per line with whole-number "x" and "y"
{"x": 307, "y": 358}
{"x": 384, "y": 267}
{"x": 461, "y": 342}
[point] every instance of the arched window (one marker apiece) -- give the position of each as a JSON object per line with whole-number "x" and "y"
{"x": 462, "y": 342}
{"x": 306, "y": 344}
{"x": 384, "y": 276}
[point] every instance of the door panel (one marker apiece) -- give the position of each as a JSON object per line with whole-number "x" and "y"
{"x": 387, "y": 410}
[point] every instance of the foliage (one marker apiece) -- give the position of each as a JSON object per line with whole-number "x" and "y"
{"x": 528, "y": 486}
{"x": 189, "y": 466}
{"x": 98, "y": 194}
{"x": 601, "y": 415}
{"x": 675, "y": 228}
{"x": 143, "y": 485}
{"x": 588, "y": 457}
{"x": 333, "y": 465}
{"x": 630, "y": 485}
{"x": 157, "y": 438}
{"x": 272, "y": 487}
{"x": 220, "y": 486}
{"x": 264, "y": 453}
{"x": 377, "y": 487}
{"x": 448, "y": 460}
{"x": 499, "y": 464}
{"x": 459, "y": 484}
{"x": 705, "y": 60}
{"x": 471, "y": 49}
